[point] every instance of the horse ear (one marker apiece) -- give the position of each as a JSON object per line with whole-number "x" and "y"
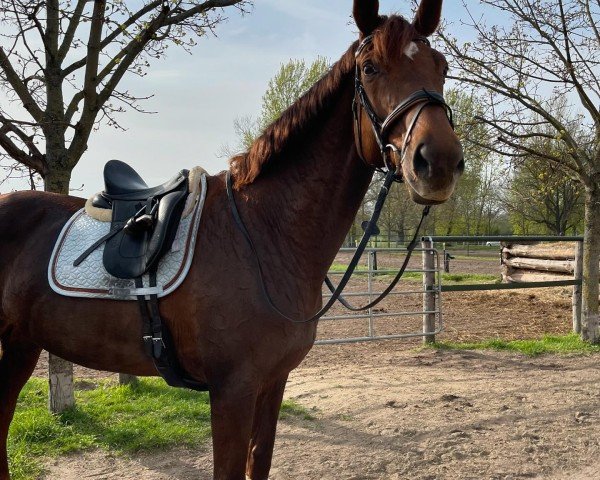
{"x": 366, "y": 15}
{"x": 428, "y": 17}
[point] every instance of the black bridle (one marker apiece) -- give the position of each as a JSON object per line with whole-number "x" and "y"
{"x": 381, "y": 128}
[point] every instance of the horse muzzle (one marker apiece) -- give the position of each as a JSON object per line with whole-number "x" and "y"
{"x": 431, "y": 170}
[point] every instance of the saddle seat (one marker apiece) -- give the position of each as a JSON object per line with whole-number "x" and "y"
{"x": 144, "y": 220}
{"x": 122, "y": 182}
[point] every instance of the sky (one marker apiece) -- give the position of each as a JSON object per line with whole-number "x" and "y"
{"x": 199, "y": 96}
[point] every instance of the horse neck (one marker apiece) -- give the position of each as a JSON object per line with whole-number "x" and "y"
{"x": 307, "y": 201}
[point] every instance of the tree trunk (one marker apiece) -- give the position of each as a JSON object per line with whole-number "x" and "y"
{"x": 57, "y": 180}
{"x": 590, "y": 328}
{"x": 60, "y": 372}
{"x": 126, "y": 379}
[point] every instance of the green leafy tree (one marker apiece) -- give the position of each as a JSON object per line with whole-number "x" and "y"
{"x": 474, "y": 206}
{"x": 474, "y": 203}
{"x": 293, "y": 79}
{"x": 541, "y": 198}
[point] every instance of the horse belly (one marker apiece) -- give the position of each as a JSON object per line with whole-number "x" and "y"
{"x": 90, "y": 334}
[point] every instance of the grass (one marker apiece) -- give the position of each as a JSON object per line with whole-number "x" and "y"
{"x": 148, "y": 415}
{"x": 447, "y": 278}
{"x": 566, "y": 344}
{"x": 341, "y": 267}
{"x": 291, "y": 409}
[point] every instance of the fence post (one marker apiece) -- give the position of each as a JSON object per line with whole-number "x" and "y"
{"x": 370, "y": 291}
{"x": 374, "y": 259}
{"x": 428, "y": 291}
{"x": 60, "y": 379}
{"x": 577, "y": 274}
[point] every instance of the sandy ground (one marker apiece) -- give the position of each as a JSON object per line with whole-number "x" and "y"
{"x": 413, "y": 415}
{"x": 389, "y": 410}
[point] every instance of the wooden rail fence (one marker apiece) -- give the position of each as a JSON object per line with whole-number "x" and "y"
{"x": 545, "y": 262}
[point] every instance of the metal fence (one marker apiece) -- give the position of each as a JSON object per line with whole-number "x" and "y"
{"x": 370, "y": 288}
{"x": 431, "y": 288}
{"x": 575, "y": 282}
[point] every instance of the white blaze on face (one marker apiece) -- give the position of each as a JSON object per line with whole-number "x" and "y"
{"x": 411, "y": 50}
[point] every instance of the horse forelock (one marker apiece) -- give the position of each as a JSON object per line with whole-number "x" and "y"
{"x": 390, "y": 39}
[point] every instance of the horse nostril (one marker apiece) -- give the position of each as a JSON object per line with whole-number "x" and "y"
{"x": 420, "y": 163}
{"x": 460, "y": 168}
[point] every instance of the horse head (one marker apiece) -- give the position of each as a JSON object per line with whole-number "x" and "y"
{"x": 399, "y": 85}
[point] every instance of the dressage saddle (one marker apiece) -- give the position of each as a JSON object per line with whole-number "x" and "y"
{"x": 144, "y": 219}
{"x": 144, "y": 223}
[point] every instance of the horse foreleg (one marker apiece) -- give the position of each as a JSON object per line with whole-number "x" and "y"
{"x": 266, "y": 414}
{"x": 16, "y": 365}
{"x": 232, "y": 411}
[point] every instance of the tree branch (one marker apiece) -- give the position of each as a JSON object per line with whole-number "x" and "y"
{"x": 71, "y": 29}
{"x": 52, "y": 30}
{"x": 585, "y": 99}
{"x": 34, "y": 160}
{"x": 537, "y": 153}
{"x": 73, "y": 107}
{"x": 119, "y": 30}
{"x": 23, "y": 31}
{"x": 20, "y": 88}
{"x": 208, "y": 5}
{"x": 91, "y": 105}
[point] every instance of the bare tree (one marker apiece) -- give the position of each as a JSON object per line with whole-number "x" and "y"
{"x": 61, "y": 66}
{"x": 550, "y": 49}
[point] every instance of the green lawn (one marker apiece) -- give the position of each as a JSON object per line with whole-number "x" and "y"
{"x": 447, "y": 278}
{"x": 145, "y": 416}
{"x": 566, "y": 344}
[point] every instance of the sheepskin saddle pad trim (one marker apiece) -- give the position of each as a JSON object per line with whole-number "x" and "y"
{"x": 90, "y": 279}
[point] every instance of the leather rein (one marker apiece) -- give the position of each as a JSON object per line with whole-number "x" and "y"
{"x": 381, "y": 128}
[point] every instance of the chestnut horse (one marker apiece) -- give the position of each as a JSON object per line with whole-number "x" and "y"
{"x": 298, "y": 190}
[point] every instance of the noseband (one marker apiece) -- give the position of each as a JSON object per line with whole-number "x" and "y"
{"x": 381, "y": 127}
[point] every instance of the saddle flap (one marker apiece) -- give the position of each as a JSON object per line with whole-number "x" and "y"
{"x": 124, "y": 254}
{"x": 132, "y": 252}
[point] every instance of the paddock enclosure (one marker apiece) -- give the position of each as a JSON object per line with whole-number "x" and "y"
{"x": 393, "y": 410}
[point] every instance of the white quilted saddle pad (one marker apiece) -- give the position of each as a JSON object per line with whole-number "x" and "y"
{"x": 91, "y": 280}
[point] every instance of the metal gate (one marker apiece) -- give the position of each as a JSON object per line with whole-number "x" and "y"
{"x": 412, "y": 309}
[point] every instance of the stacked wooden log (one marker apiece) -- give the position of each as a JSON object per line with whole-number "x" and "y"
{"x": 542, "y": 262}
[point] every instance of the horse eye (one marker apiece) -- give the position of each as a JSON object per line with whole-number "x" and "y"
{"x": 446, "y": 71}
{"x": 369, "y": 69}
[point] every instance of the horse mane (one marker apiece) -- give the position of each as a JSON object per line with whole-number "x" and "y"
{"x": 390, "y": 38}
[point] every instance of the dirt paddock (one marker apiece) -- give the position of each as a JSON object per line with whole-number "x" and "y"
{"x": 390, "y": 410}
